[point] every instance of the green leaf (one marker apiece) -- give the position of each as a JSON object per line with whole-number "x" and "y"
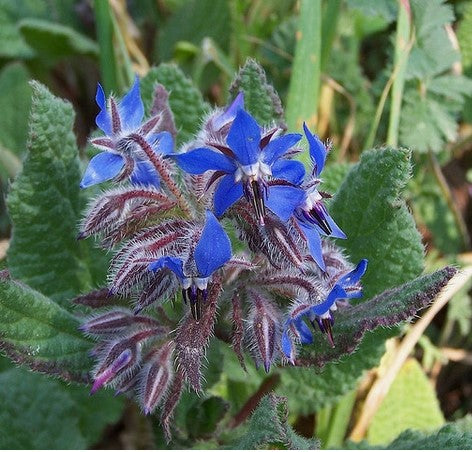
{"x": 56, "y": 40}
{"x": 44, "y": 204}
{"x": 411, "y": 402}
{"x": 16, "y": 104}
{"x": 37, "y": 332}
{"x": 333, "y": 176}
{"x": 192, "y": 22}
{"x": 453, "y": 436}
{"x": 369, "y": 209}
{"x": 387, "y": 9}
{"x": 185, "y": 100}
{"x": 268, "y": 428}
{"x": 260, "y": 98}
{"x": 41, "y": 413}
{"x": 433, "y": 52}
{"x": 205, "y": 416}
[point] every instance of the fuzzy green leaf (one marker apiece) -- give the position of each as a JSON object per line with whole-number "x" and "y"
{"x": 44, "y": 204}
{"x": 41, "y": 413}
{"x": 380, "y": 228}
{"x": 185, "y": 100}
{"x": 268, "y": 428}
{"x": 37, "y": 332}
{"x": 369, "y": 209}
{"x": 56, "y": 40}
{"x": 453, "y": 436}
{"x": 260, "y": 98}
{"x": 411, "y": 402}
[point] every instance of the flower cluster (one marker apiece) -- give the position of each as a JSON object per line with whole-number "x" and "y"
{"x": 166, "y": 217}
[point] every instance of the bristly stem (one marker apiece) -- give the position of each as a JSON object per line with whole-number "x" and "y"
{"x": 303, "y": 93}
{"x": 161, "y": 168}
{"x": 104, "y": 23}
{"x": 402, "y": 51}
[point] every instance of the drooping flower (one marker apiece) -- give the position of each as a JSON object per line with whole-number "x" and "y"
{"x": 245, "y": 164}
{"x": 121, "y": 156}
{"x": 211, "y": 252}
{"x": 347, "y": 286}
{"x": 311, "y": 214}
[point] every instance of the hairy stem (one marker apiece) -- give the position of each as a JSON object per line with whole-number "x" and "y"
{"x": 161, "y": 168}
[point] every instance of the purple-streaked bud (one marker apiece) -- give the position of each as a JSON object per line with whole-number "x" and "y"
{"x": 161, "y": 106}
{"x": 96, "y": 299}
{"x": 287, "y": 343}
{"x": 113, "y": 322}
{"x": 264, "y": 328}
{"x": 108, "y": 209}
{"x": 119, "y": 357}
{"x": 161, "y": 287}
{"x": 156, "y": 377}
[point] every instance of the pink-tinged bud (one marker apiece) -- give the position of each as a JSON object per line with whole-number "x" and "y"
{"x": 118, "y": 358}
{"x": 155, "y": 377}
{"x": 96, "y": 299}
{"x": 264, "y": 329}
{"x": 116, "y": 321}
{"x": 161, "y": 287}
{"x": 108, "y": 210}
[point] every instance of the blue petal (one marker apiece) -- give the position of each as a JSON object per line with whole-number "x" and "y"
{"x": 103, "y": 119}
{"x": 317, "y": 150}
{"x": 200, "y": 160}
{"x": 279, "y": 146}
{"x": 162, "y": 142}
{"x": 284, "y": 199}
{"x": 230, "y": 113}
{"x": 174, "y": 264}
{"x": 292, "y": 171}
{"x": 336, "y": 231}
{"x": 314, "y": 244}
{"x": 213, "y": 249}
{"x": 287, "y": 346}
{"x": 131, "y": 108}
{"x": 306, "y": 337}
{"x": 102, "y": 167}
{"x": 244, "y": 138}
{"x": 144, "y": 174}
{"x": 355, "y": 275}
{"x": 336, "y": 293}
{"x": 226, "y": 194}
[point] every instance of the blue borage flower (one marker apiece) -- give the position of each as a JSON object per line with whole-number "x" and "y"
{"x": 310, "y": 214}
{"x": 120, "y": 154}
{"x": 246, "y": 164}
{"x": 346, "y": 287}
{"x": 212, "y": 251}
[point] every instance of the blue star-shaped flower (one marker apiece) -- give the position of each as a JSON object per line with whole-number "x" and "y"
{"x": 346, "y": 287}
{"x": 120, "y": 154}
{"x": 245, "y": 165}
{"x": 212, "y": 251}
{"x": 310, "y": 214}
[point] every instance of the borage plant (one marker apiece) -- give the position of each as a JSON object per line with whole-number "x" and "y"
{"x": 226, "y": 235}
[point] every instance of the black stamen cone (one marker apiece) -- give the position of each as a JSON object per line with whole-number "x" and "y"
{"x": 328, "y": 330}
{"x": 257, "y": 200}
{"x": 317, "y": 213}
